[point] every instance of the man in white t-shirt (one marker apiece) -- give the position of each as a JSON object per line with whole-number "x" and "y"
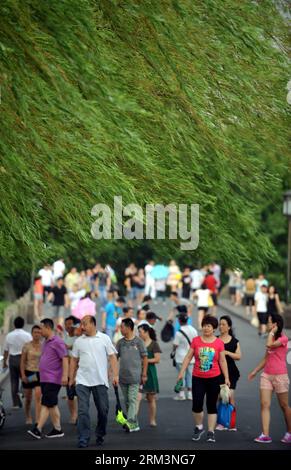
{"x": 14, "y": 342}
{"x": 150, "y": 285}
{"x": 181, "y": 345}
{"x": 91, "y": 353}
{"x": 47, "y": 279}
{"x": 197, "y": 279}
{"x": 261, "y": 304}
{"x": 59, "y": 268}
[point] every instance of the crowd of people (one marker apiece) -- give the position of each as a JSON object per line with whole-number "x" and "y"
{"x": 70, "y": 350}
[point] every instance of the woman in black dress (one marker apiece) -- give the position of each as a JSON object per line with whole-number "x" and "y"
{"x": 232, "y": 354}
{"x": 274, "y": 304}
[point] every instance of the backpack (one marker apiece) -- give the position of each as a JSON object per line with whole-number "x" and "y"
{"x": 167, "y": 332}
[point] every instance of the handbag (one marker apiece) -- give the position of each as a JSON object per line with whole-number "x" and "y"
{"x": 210, "y": 301}
{"x": 255, "y": 322}
{"x": 224, "y": 412}
{"x": 232, "y": 424}
{"x": 167, "y": 332}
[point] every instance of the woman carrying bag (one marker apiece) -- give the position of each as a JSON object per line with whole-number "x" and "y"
{"x": 208, "y": 351}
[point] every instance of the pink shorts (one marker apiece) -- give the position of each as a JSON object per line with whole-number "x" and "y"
{"x": 279, "y": 383}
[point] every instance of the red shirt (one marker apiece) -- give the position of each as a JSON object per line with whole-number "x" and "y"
{"x": 206, "y": 357}
{"x": 211, "y": 283}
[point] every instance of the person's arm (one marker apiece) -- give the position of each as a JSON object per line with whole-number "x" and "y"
{"x": 144, "y": 373}
{"x": 257, "y": 369}
{"x": 236, "y": 355}
{"x": 5, "y": 359}
{"x": 23, "y": 359}
{"x": 186, "y": 363}
{"x": 73, "y": 369}
{"x": 65, "y": 376}
{"x": 103, "y": 320}
{"x": 156, "y": 359}
{"x": 50, "y": 296}
{"x": 224, "y": 368}
{"x": 278, "y": 304}
{"x": 114, "y": 367}
{"x": 271, "y": 344}
{"x": 67, "y": 301}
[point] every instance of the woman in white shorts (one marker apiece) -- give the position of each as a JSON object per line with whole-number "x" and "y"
{"x": 274, "y": 378}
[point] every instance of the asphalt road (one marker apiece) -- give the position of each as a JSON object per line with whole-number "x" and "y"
{"x": 175, "y": 422}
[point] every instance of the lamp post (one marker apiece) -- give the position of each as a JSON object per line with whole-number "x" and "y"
{"x": 287, "y": 212}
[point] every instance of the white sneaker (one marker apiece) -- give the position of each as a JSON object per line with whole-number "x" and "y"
{"x": 189, "y": 395}
{"x": 180, "y": 397}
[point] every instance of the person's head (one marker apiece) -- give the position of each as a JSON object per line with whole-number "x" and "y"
{"x": 261, "y": 276}
{"x": 47, "y": 327}
{"x": 272, "y": 290}
{"x": 18, "y": 322}
{"x": 120, "y": 301}
{"x": 128, "y": 312}
{"x": 173, "y": 262}
{"x": 209, "y": 324}
{"x": 36, "y": 332}
{"x": 141, "y": 314}
{"x": 146, "y": 299}
{"x": 225, "y": 325}
{"x": 152, "y": 317}
{"x": 88, "y": 325}
{"x": 146, "y": 332}
{"x": 183, "y": 318}
{"x": 60, "y": 281}
{"x": 264, "y": 288}
{"x": 70, "y": 324}
{"x": 75, "y": 288}
{"x": 37, "y": 278}
{"x": 174, "y": 296}
{"x": 187, "y": 270}
{"x": 251, "y": 276}
{"x": 182, "y": 309}
{"x": 73, "y": 270}
{"x": 127, "y": 327}
{"x": 276, "y": 320}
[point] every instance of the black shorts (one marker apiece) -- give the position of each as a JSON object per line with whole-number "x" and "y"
{"x": 71, "y": 392}
{"x": 35, "y": 383}
{"x": 233, "y": 382}
{"x": 263, "y": 318}
{"x": 50, "y": 393}
{"x": 232, "y": 290}
{"x": 205, "y": 309}
{"x": 250, "y": 300}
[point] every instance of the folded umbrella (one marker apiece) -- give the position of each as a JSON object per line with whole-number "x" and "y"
{"x": 121, "y": 418}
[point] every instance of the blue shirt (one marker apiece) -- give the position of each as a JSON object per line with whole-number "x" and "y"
{"x": 112, "y": 313}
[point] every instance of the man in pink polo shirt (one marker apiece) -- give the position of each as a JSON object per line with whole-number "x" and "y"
{"x": 53, "y": 369}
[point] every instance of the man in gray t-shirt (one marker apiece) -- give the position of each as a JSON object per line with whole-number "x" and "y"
{"x": 133, "y": 366}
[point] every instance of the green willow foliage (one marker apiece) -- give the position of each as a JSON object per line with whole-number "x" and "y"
{"x": 166, "y": 101}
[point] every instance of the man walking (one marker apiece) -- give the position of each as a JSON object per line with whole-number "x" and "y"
{"x": 53, "y": 369}
{"x": 133, "y": 370}
{"x": 14, "y": 342}
{"x": 91, "y": 353}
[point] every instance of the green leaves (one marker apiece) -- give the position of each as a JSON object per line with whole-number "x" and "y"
{"x": 166, "y": 102}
